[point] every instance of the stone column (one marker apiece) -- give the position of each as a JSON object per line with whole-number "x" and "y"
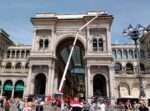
{"x": 34, "y": 41}
{"x": 28, "y": 84}
{"x": 124, "y": 68}
{"x": 13, "y": 90}
{"x": 111, "y": 82}
{"x": 50, "y": 89}
{"x": 2, "y": 83}
{"x": 48, "y": 81}
{"x": 52, "y": 77}
{"x": 86, "y": 83}
{"x": 89, "y": 87}
{"x": 109, "y": 40}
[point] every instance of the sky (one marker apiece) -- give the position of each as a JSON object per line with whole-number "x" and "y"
{"x": 15, "y": 15}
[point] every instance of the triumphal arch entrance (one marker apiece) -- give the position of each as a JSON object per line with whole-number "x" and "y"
{"x": 90, "y": 71}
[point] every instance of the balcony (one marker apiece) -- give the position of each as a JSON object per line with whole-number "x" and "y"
{"x": 4, "y": 70}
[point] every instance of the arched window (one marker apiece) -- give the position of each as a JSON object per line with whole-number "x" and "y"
{"x": 17, "y": 54}
{"x": 8, "y": 54}
{"x": 129, "y": 68}
{"x": 27, "y": 53}
{"x": 119, "y": 54}
{"x": 124, "y": 90}
{"x": 142, "y": 54}
{"x": 13, "y": 54}
{"x": 41, "y": 44}
{"x": 18, "y": 66}
{"x": 114, "y": 54}
{"x": 27, "y": 66}
{"x": 135, "y": 90}
{"x": 100, "y": 44}
{"x": 125, "y": 54}
{"x": 118, "y": 68}
{"x": 46, "y": 43}
{"x": 8, "y": 65}
{"x": 22, "y": 54}
{"x": 7, "y": 88}
{"x": 136, "y": 54}
{"x": 142, "y": 68}
{"x": 19, "y": 89}
{"x": 95, "y": 44}
{"x": 131, "y": 56}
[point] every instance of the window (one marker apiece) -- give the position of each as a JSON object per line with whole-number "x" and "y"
{"x": 27, "y": 53}
{"x": 114, "y": 54}
{"x": 13, "y": 54}
{"x": 136, "y": 54}
{"x": 17, "y": 54}
{"x": 8, "y": 54}
{"x": 97, "y": 44}
{"x": 129, "y": 68}
{"x": 8, "y": 65}
{"x": 118, "y": 67}
{"x": 119, "y": 54}
{"x": 131, "y": 56}
{"x": 41, "y": 44}
{"x": 125, "y": 54}
{"x": 46, "y": 43}
{"x": 142, "y": 54}
{"x": 18, "y": 66}
{"x": 22, "y": 54}
{"x": 142, "y": 68}
{"x": 27, "y": 66}
{"x": 100, "y": 44}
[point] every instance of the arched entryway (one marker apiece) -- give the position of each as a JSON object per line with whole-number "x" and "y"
{"x": 19, "y": 89}
{"x": 75, "y": 83}
{"x": 40, "y": 84}
{"x": 7, "y": 88}
{"x": 99, "y": 86}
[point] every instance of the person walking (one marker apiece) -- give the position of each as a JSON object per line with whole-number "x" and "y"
{"x": 76, "y": 105}
{"x": 7, "y": 105}
{"x": 27, "y": 107}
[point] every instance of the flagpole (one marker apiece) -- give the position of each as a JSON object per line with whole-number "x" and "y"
{"x": 72, "y": 49}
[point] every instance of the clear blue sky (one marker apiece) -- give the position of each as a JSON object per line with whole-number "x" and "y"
{"x": 15, "y": 14}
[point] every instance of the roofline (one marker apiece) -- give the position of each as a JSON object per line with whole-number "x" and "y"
{"x": 56, "y": 16}
{"x": 6, "y": 35}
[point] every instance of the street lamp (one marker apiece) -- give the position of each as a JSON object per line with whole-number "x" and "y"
{"x": 135, "y": 33}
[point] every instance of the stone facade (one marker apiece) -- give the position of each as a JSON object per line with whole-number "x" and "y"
{"x": 110, "y": 70}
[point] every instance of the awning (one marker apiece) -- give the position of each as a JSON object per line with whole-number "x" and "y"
{"x": 19, "y": 87}
{"x": 8, "y": 87}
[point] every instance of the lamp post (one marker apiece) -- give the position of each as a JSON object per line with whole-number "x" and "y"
{"x": 135, "y": 33}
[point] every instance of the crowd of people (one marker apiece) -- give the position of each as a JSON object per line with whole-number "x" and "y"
{"x": 71, "y": 104}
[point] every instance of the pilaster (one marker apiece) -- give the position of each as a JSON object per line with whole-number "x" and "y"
{"x": 111, "y": 81}
{"x": 29, "y": 83}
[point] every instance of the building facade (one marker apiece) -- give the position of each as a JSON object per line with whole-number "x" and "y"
{"x": 97, "y": 66}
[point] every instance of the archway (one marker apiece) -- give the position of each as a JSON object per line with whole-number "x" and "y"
{"x": 19, "y": 89}
{"x": 74, "y": 84}
{"x": 39, "y": 84}
{"x": 7, "y": 88}
{"x": 99, "y": 86}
